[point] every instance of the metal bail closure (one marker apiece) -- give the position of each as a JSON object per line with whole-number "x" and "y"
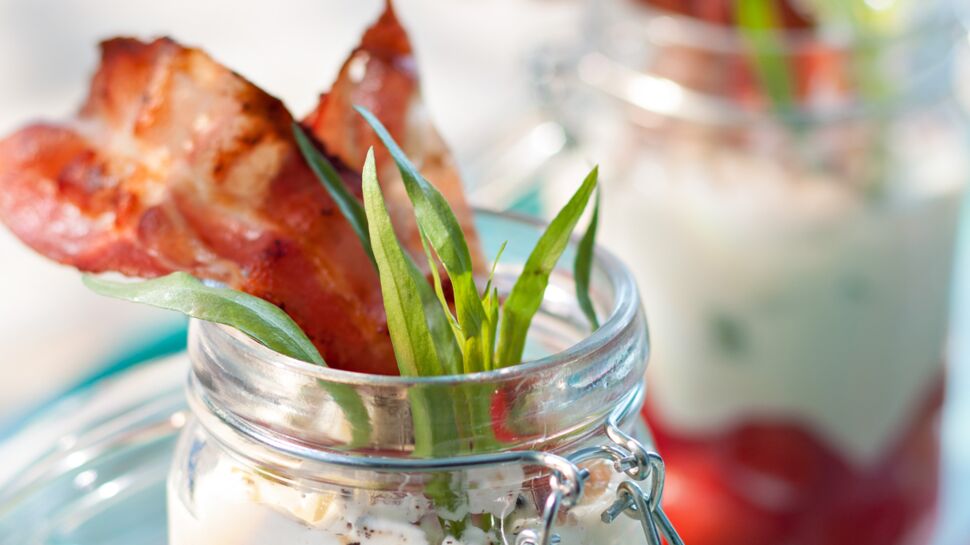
{"x": 634, "y": 502}
{"x": 629, "y": 456}
{"x": 639, "y": 464}
{"x": 644, "y": 505}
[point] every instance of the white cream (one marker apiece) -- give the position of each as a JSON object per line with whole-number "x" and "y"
{"x": 233, "y": 506}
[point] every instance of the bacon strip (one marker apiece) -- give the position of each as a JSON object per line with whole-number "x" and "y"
{"x": 177, "y": 163}
{"x": 381, "y": 76}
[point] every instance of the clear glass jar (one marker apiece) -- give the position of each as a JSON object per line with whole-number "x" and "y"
{"x": 794, "y": 258}
{"x": 280, "y": 451}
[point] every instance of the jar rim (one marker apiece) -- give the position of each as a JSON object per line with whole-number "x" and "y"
{"x": 628, "y": 407}
{"x": 686, "y": 30}
{"x": 626, "y": 303}
{"x": 937, "y": 35}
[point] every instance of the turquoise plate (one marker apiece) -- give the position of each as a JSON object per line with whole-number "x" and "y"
{"x": 90, "y": 469}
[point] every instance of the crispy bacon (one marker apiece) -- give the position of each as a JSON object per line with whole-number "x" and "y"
{"x": 384, "y": 61}
{"x": 177, "y": 163}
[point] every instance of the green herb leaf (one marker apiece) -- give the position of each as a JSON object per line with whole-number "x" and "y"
{"x": 439, "y": 288}
{"x": 435, "y": 421}
{"x": 354, "y": 410}
{"x": 583, "y": 266}
{"x": 491, "y": 272}
{"x": 491, "y": 302}
{"x": 424, "y": 343}
{"x": 438, "y": 223}
{"x": 760, "y": 24}
{"x": 327, "y": 174}
{"x": 182, "y": 292}
{"x": 422, "y": 337}
{"x": 526, "y": 295}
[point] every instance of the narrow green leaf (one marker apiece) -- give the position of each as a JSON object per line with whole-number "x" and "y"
{"x": 182, "y": 292}
{"x": 435, "y": 422}
{"x": 491, "y": 272}
{"x": 354, "y": 410}
{"x": 258, "y": 318}
{"x": 760, "y": 24}
{"x": 583, "y": 266}
{"x": 526, "y": 295}
{"x": 346, "y": 201}
{"x": 438, "y": 223}
{"x": 439, "y": 288}
{"x": 424, "y": 343}
{"x": 492, "y": 303}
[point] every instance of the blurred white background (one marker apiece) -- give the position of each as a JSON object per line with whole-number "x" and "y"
{"x": 473, "y": 59}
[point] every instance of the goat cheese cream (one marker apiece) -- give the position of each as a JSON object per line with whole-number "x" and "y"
{"x": 234, "y": 506}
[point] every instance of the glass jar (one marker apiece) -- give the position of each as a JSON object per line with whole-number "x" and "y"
{"x": 280, "y": 451}
{"x": 794, "y": 253}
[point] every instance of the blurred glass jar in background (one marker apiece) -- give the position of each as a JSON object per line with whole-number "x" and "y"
{"x": 786, "y": 180}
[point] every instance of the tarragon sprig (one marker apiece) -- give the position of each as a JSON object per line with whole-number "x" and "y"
{"x": 259, "y": 319}
{"x": 182, "y": 292}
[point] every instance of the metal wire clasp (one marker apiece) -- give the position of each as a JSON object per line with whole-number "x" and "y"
{"x": 629, "y": 456}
